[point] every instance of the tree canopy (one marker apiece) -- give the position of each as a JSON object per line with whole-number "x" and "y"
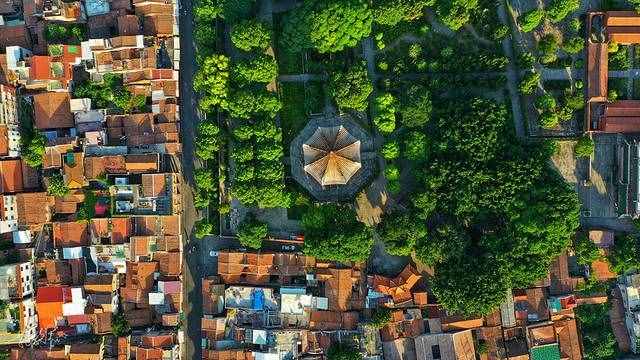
{"x": 212, "y": 80}
{"x": 56, "y": 186}
{"x": 351, "y": 88}
{"x": 328, "y": 25}
{"x": 391, "y": 12}
{"x": 251, "y": 34}
{"x": 251, "y": 232}
{"x": 455, "y": 13}
{"x": 497, "y": 213}
{"x": 261, "y": 69}
{"x": 332, "y": 232}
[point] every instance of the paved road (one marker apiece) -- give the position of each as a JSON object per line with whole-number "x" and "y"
{"x": 192, "y": 305}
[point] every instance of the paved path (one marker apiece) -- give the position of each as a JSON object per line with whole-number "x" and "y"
{"x": 192, "y": 305}
{"x": 301, "y": 77}
{"x": 512, "y": 76}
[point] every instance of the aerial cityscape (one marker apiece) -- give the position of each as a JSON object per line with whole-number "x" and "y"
{"x": 319, "y": 179}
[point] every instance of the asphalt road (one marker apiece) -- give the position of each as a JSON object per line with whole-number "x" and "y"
{"x": 192, "y": 305}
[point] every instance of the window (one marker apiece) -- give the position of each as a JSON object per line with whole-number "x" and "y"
{"x": 427, "y": 329}
{"x": 435, "y": 351}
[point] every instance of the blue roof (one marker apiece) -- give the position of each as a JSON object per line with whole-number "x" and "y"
{"x": 257, "y": 299}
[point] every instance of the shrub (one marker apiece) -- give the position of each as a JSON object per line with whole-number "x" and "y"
{"x": 262, "y": 69}
{"x": 385, "y": 113}
{"x": 546, "y": 102}
{"x": 351, "y": 88}
{"x": 574, "y": 45}
{"x": 500, "y": 33}
{"x": 415, "y": 106}
{"x": 531, "y": 19}
{"x": 56, "y": 186}
{"x": 559, "y": 9}
{"x": 120, "y": 325}
{"x": 203, "y": 228}
{"x": 33, "y": 145}
{"x": 415, "y": 146}
{"x": 586, "y": 251}
{"x": 390, "y": 150}
{"x": 529, "y": 83}
{"x": 549, "y": 119}
{"x": 526, "y": 60}
{"x": 548, "y": 46}
{"x": 251, "y": 34}
{"x": 574, "y": 101}
{"x": 251, "y": 232}
{"x": 584, "y": 147}
{"x": 381, "y": 317}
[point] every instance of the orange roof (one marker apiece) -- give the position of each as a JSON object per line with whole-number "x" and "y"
{"x": 121, "y": 229}
{"x": 34, "y": 208}
{"x": 48, "y": 314}
{"x": 40, "y": 67}
{"x": 148, "y": 354}
{"x": 74, "y": 170}
{"x": 159, "y": 341}
{"x": 154, "y": 185}
{"x": 4, "y": 140}
{"x": 170, "y": 262}
{"x": 52, "y": 110}
{"x": 597, "y": 70}
{"x": 399, "y": 288}
{"x": 142, "y": 163}
{"x": 601, "y": 270}
{"x": 622, "y": 18}
{"x": 11, "y": 176}
{"x": 70, "y": 234}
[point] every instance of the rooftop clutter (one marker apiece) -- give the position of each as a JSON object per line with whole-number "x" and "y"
{"x": 89, "y": 123}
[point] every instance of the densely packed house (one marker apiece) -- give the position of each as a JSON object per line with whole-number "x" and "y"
{"x": 273, "y": 305}
{"x": 90, "y": 229}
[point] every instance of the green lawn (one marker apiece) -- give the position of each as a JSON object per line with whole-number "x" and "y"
{"x": 293, "y": 116}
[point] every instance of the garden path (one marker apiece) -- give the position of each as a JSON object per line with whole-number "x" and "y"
{"x": 512, "y": 75}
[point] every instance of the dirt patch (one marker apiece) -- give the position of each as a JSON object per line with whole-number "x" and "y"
{"x": 371, "y": 202}
{"x": 565, "y": 161}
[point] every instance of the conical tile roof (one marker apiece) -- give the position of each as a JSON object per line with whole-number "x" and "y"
{"x": 332, "y": 155}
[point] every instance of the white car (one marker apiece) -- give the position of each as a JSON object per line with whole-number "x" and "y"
{"x": 213, "y": 253}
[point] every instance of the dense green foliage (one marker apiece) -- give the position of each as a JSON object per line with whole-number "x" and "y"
{"x": 119, "y": 325}
{"x": 455, "y": 13}
{"x": 415, "y": 106}
{"x": 391, "y": 12}
{"x": 32, "y": 144}
{"x": 548, "y": 47}
{"x": 341, "y": 351}
{"x": 212, "y": 81}
{"x": 625, "y": 254}
{"x": 230, "y": 10}
{"x": 584, "y": 147}
{"x": 497, "y": 213}
{"x": 545, "y": 102}
{"x": 351, "y": 88}
{"x": 597, "y": 336}
{"x": 573, "y": 45}
{"x": 332, "y": 232}
{"x": 401, "y": 233}
{"x": 381, "y": 317}
{"x": 257, "y": 154}
{"x": 531, "y": 19}
{"x": 416, "y": 146}
{"x": 58, "y": 33}
{"x": 251, "y": 232}
{"x": 392, "y": 174}
{"x": 208, "y": 140}
{"x": 328, "y": 25}
{"x": 251, "y": 34}
{"x": 202, "y": 228}
{"x": 248, "y": 103}
{"x": 390, "y": 150}
{"x": 385, "y": 113}
{"x": 560, "y": 9}
{"x": 110, "y": 93}
{"x": 529, "y": 83}
{"x": 56, "y": 186}
{"x": 261, "y": 69}
{"x": 586, "y": 251}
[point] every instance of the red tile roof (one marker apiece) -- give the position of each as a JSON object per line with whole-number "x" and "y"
{"x": 11, "y": 176}
{"x": 52, "y": 110}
